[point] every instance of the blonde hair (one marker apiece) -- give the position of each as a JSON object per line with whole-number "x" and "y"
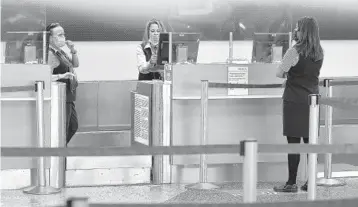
{"x": 147, "y": 28}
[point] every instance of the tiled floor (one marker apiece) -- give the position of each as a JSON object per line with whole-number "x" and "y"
{"x": 227, "y": 193}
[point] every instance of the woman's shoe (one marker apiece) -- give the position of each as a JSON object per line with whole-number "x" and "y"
{"x": 286, "y": 188}
{"x": 304, "y": 187}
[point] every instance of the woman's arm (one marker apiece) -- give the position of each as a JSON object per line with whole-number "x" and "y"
{"x": 53, "y": 62}
{"x": 290, "y": 59}
{"x": 142, "y": 64}
{"x": 75, "y": 61}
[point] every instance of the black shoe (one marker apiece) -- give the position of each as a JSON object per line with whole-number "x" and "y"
{"x": 286, "y": 188}
{"x": 304, "y": 187}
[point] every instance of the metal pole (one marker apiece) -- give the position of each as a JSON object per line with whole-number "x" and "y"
{"x": 167, "y": 128}
{"x": 313, "y": 139}
{"x": 231, "y": 48}
{"x": 157, "y": 130}
{"x": 44, "y": 49}
{"x": 290, "y": 39}
{"x": 328, "y": 180}
{"x": 58, "y": 133}
{"x": 170, "y": 48}
{"x": 77, "y": 202}
{"x": 204, "y": 135}
{"x": 249, "y": 151}
{"x": 42, "y": 188}
{"x": 204, "y": 129}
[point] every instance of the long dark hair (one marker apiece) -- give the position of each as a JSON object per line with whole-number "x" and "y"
{"x": 309, "y": 45}
{"x": 48, "y": 34}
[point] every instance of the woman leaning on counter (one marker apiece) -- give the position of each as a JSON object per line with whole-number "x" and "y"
{"x": 62, "y": 66}
{"x": 147, "y": 50}
{"x": 301, "y": 67}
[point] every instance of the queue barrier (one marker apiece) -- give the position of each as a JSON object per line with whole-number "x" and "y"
{"x": 314, "y": 104}
{"x": 42, "y": 184}
{"x": 248, "y": 149}
{"x": 17, "y": 89}
{"x": 329, "y": 101}
{"x": 83, "y": 202}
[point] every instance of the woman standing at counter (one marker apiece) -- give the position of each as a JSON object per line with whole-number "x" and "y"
{"x": 301, "y": 66}
{"x": 147, "y": 50}
{"x": 62, "y": 70}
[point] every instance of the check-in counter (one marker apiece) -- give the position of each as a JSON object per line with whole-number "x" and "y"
{"x": 104, "y": 115}
{"x": 254, "y": 113}
{"x": 107, "y": 109}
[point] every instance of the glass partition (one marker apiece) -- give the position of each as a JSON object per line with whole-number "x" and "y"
{"x": 214, "y": 19}
{"x": 22, "y": 26}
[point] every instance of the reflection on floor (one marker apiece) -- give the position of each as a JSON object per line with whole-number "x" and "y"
{"x": 227, "y": 193}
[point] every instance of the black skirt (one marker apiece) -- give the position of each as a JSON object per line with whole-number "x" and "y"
{"x": 295, "y": 119}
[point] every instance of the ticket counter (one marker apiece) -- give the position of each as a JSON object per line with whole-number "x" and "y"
{"x": 107, "y": 110}
{"x": 234, "y": 116}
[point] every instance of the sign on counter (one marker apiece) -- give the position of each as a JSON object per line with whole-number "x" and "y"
{"x": 141, "y": 119}
{"x": 238, "y": 75}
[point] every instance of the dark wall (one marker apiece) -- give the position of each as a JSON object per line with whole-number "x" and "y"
{"x": 114, "y": 20}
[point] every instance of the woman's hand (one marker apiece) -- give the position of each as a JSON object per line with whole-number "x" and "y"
{"x": 153, "y": 59}
{"x": 71, "y": 46}
{"x": 284, "y": 83}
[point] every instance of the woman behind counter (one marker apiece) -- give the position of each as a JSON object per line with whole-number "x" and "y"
{"x": 301, "y": 66}
{"x": 147, "y": 50}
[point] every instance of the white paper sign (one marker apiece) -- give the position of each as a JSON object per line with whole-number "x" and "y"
{"x": 238, "y": 75}
{"x": 141, "y": 119}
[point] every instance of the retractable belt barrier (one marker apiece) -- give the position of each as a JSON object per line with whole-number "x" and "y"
{"x": 175, "y": 150}
{"x": 83, "y": 202}
{"x": 250, "y": 162}
{"x": 9, "y": 89}
{"x": 42, "y": 187}
{"x": 248, "y": 148}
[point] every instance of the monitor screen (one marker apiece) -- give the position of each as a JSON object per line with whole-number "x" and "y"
{"x": 185, "y": 48}
{"x": 269, "y": 47}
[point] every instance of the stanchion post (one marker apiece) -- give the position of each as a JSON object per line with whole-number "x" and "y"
{"x": 170, "y": 56}
{"x": 44, "y": 51}
{"x": 77, "y": 202}
{"x": 328, "y": 180}
{"x": 231, "y": 48}
{"x": 313, "y": 139}
{"x": 203, "y": 139}
{"x": 249, "y": 151}
{"x": 58, "y": 133}
{"x": 42, "y": 188}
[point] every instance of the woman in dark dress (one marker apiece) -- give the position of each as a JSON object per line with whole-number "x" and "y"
{"x": 147, "y": 50}
{"x": 62, "y": 66}
{"x": 301, "y": 67}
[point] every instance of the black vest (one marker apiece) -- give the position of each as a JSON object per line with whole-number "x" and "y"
{"x": 150, "y": 75}
{"x": 63, "y": 68}
{"x": 302, "y": 80}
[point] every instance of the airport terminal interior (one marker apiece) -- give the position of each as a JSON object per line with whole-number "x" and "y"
{"x": 131, "y": 129}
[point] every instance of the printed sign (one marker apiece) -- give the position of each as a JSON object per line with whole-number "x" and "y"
{"x": 238, "y": 75}
{"x": 141, "y": 119}
{"x": 277, "y": 54}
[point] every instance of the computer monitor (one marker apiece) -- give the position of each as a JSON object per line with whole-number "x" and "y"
{"x": 270, "y": 47}
{"x": 185, "y": 48}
